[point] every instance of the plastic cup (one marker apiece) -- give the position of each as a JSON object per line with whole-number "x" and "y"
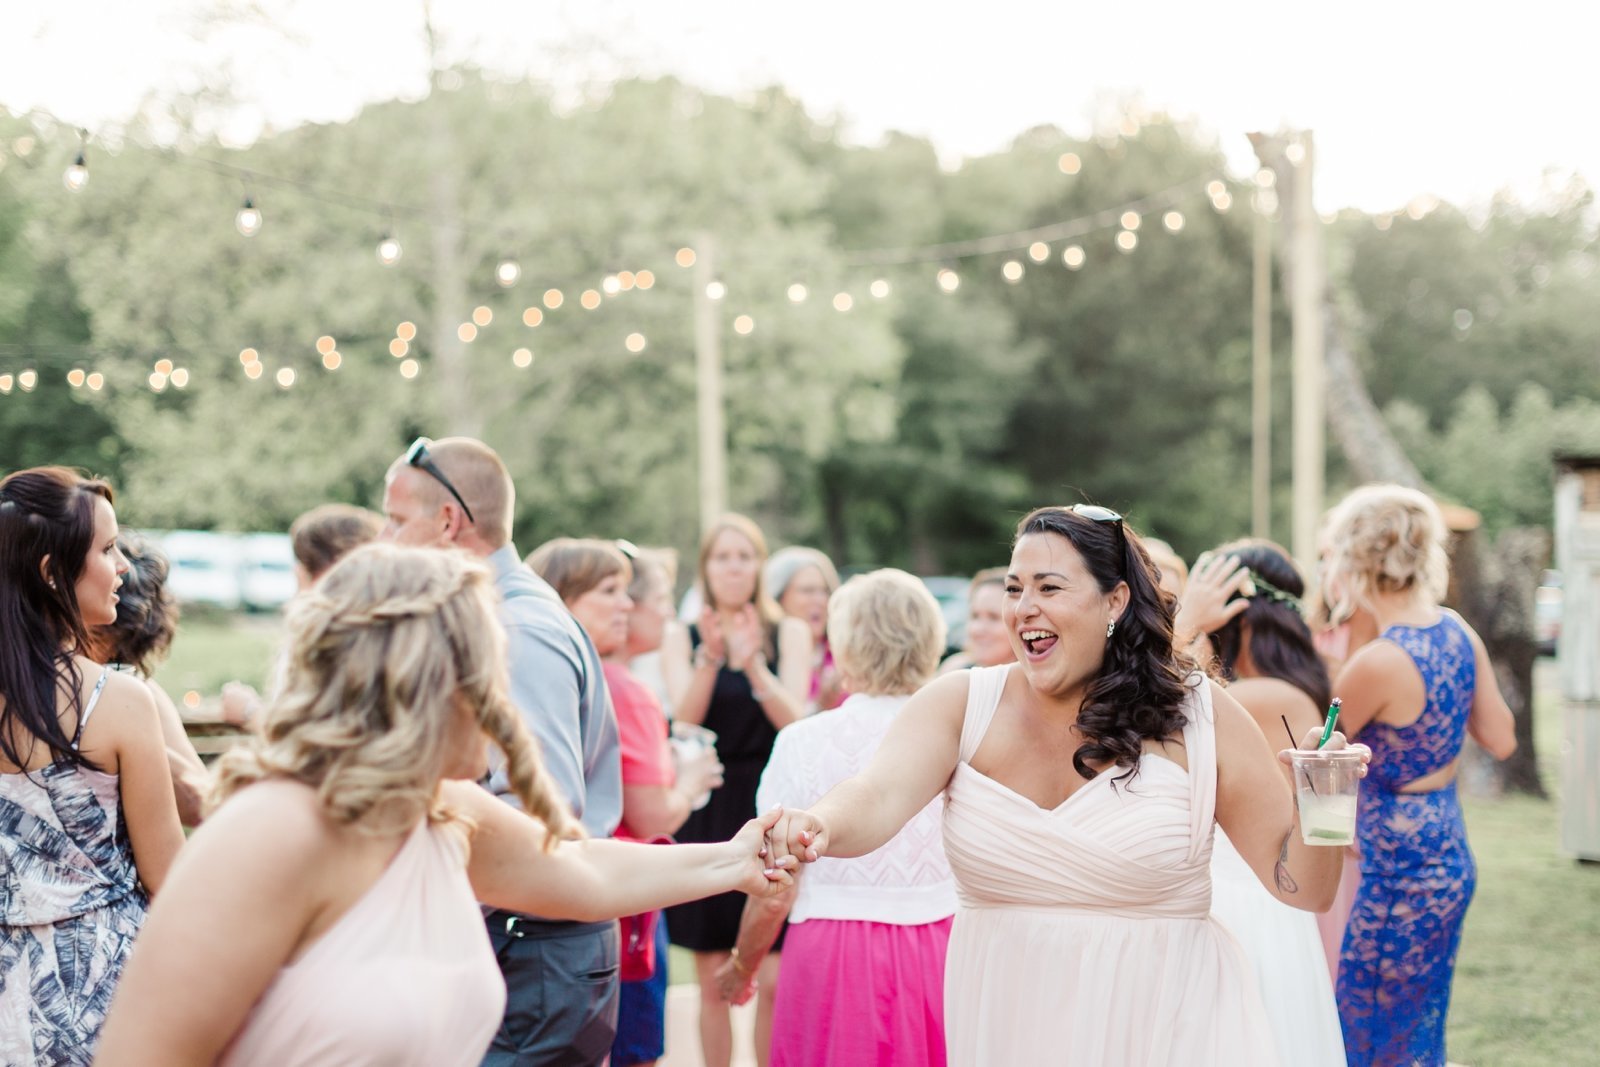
{"x": 1326, "y": 784}
{"x": 692, "y": 744}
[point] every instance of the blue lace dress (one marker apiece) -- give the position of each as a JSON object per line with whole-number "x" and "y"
{"x": 70, "y": 906}
{"x": 1417, "y": 874}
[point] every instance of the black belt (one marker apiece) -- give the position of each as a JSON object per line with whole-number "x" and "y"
{"x": 513, "y": 924}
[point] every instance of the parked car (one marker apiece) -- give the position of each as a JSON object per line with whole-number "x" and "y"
{"x": 205, "y": 568}
{"x": 266, "y": 571}
{"x": 1547, "y": 612}
{"x": 951, "y": 593}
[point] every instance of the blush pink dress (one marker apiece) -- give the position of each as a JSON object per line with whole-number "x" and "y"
{"x": 405, "y": 978}
{"x": 1084, "y": 934}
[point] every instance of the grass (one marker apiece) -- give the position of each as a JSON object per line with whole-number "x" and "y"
{"x": 1528, "y": 977}
{"x": 211, "y": 649}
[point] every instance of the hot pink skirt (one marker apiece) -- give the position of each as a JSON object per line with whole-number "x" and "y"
{"x": 861, "y": 994}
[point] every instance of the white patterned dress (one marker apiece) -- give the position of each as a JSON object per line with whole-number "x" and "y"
{"x": 70, "y": 906}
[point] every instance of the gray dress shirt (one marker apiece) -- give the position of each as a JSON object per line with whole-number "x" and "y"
{"x": 558, "y": 685}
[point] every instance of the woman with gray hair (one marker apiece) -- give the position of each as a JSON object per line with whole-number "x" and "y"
{"x": 864, "y": 969}
{"x": 801, "y": 580}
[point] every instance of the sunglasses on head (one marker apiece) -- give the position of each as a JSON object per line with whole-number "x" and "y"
{"x": 1095, "y": 513}
{"x": 417, "y": 456}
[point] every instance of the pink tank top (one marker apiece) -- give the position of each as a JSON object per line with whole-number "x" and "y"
{"x": 405, "y": 978}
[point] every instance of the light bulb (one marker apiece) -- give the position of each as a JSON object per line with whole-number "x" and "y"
{"x": 552, "y": 298}
{"x": 522, "y": 358}
{"x": 248, "y": 356}
{"x": 482, "y": 315}
{"x": 1127, "y": 240}
{"x": 1173, "y": 221}
{"x": 532, "y": 316}
{"x": 685, "y": 257}
{"x": 880, "y": 289}
{"x": 612, "y": 285}
{"x": 163, "y": 366}
{"x": 797, "y": 293}
{"x": 326, "y": 344}
{"x": 590, "y": 299}
{"x": 1038, "y": 251}
{"x": 635, "y": 342}
{"x": 77, "y": 175}
{"x": 744, "y": 324}
{"x": 507, "y": 273}
{"x": 248, "y": 220}
{"x": 716, "y": 291}
{"x": 1012, "y": 271}
{"x": 285, "y": 377}
{"x": 76, "y": 377}
{"x": 1130, "y": 220}
{"x": 96, "y": 380}
{"x": 180, "y": 377}
{"x": 843, "y": 302}
{"x": 389, "y": 250}
{"x": 27, "y": 380}
{"x": 949, "y": 280}
{"x": 406, "y": 331}
{"x": 252, "y": 371}
{"x": 1072, "y": 256}
{"x": 398, "y": 347}
{"x": 644, "y": 279}
{"x": 5, "y": 383}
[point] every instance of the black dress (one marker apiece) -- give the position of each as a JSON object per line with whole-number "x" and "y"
{"x": 745, "y": 737}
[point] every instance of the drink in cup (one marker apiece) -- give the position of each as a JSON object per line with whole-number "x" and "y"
{"x": 1326, "y": 783}
{"x": 693, "y": 745}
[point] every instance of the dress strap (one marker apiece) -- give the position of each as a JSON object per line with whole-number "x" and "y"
{"x": 88, "y": 707}
{"x": 1200, "y": 745}
{"x": 984, "y": 686}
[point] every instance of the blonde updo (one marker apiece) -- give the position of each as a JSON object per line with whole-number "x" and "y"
{"x": 380, "y": 652}
{"x": 1384, "y": 539}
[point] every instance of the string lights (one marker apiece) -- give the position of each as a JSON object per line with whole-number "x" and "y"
{"x": 248, "y": 219}
{"x": 1036, "y": 246}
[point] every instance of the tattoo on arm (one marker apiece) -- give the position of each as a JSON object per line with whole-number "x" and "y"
{"x": 1280, "y": 870}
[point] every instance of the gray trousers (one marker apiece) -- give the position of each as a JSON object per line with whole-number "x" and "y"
{"x": 561, "y": 992}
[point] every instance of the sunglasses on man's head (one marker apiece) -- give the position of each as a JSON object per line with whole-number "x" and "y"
{"x": 417, "y": 456}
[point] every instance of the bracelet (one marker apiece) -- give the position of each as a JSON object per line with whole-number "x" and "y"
{"x": 738, "y": 964}
{"x": 702, "y": 658}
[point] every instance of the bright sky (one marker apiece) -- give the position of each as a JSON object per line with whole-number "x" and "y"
{"x": 1406, "y": 97}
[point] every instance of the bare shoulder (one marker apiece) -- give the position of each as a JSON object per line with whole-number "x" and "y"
{"x": 1373, "y": 661}
{"x": 275, "y": 818}
{"x": 944, "y": 700}
{"x": 1268, "y": 698}
{"x": 1230, "y": 715}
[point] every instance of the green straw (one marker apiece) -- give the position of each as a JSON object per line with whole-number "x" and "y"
{"x": 1333, "y": 717}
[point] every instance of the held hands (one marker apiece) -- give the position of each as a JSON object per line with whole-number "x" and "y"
{"x": 1336, "y": 740}
{"x": 800, "y": 835}
{"x": 1206, "y": 606}
{"x": 733, "y": 985}
{"x": 762, "y": 863}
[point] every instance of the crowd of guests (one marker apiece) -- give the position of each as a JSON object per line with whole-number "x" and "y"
{"x": 481, "y": 795}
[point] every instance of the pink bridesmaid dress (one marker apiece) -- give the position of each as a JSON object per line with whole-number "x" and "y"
{"x": 1084, "y": 935}
{"x": 405, "y": 978}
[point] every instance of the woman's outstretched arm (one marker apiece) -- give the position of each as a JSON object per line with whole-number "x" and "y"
{"x": 915, "y": 762}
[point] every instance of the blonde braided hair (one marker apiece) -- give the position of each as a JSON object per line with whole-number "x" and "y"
{"x": 382, "y": 653}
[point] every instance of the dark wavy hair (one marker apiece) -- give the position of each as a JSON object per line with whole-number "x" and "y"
{"x": 147, "y": 614}
{"x": 46, "y": 533}
{"x": 1280, "y": 640}
{"x": 1137, "y": 695}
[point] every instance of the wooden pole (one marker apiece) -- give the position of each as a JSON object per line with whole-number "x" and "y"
{"x": 1309, "y": 402}
{"x": 713, "y": 437}
{"x": 1261, "y": 372}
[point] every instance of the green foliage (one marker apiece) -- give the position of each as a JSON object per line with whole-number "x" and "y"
{"x": 1499, "y": 462}
{"x": 911, "y": 430}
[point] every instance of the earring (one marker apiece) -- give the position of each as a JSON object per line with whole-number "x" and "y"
{"x": 1111, "y": 627}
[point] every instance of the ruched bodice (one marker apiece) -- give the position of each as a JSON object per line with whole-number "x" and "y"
{"x": 1084, "y": 933}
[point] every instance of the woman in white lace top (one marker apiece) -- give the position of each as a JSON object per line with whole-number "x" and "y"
{"x": 863, "y": 968}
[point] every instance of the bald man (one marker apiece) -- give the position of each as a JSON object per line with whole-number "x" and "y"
{"x": 561, "y": 977}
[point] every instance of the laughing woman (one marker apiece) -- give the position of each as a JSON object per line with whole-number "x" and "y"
{"x": 1081, "y": 787}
